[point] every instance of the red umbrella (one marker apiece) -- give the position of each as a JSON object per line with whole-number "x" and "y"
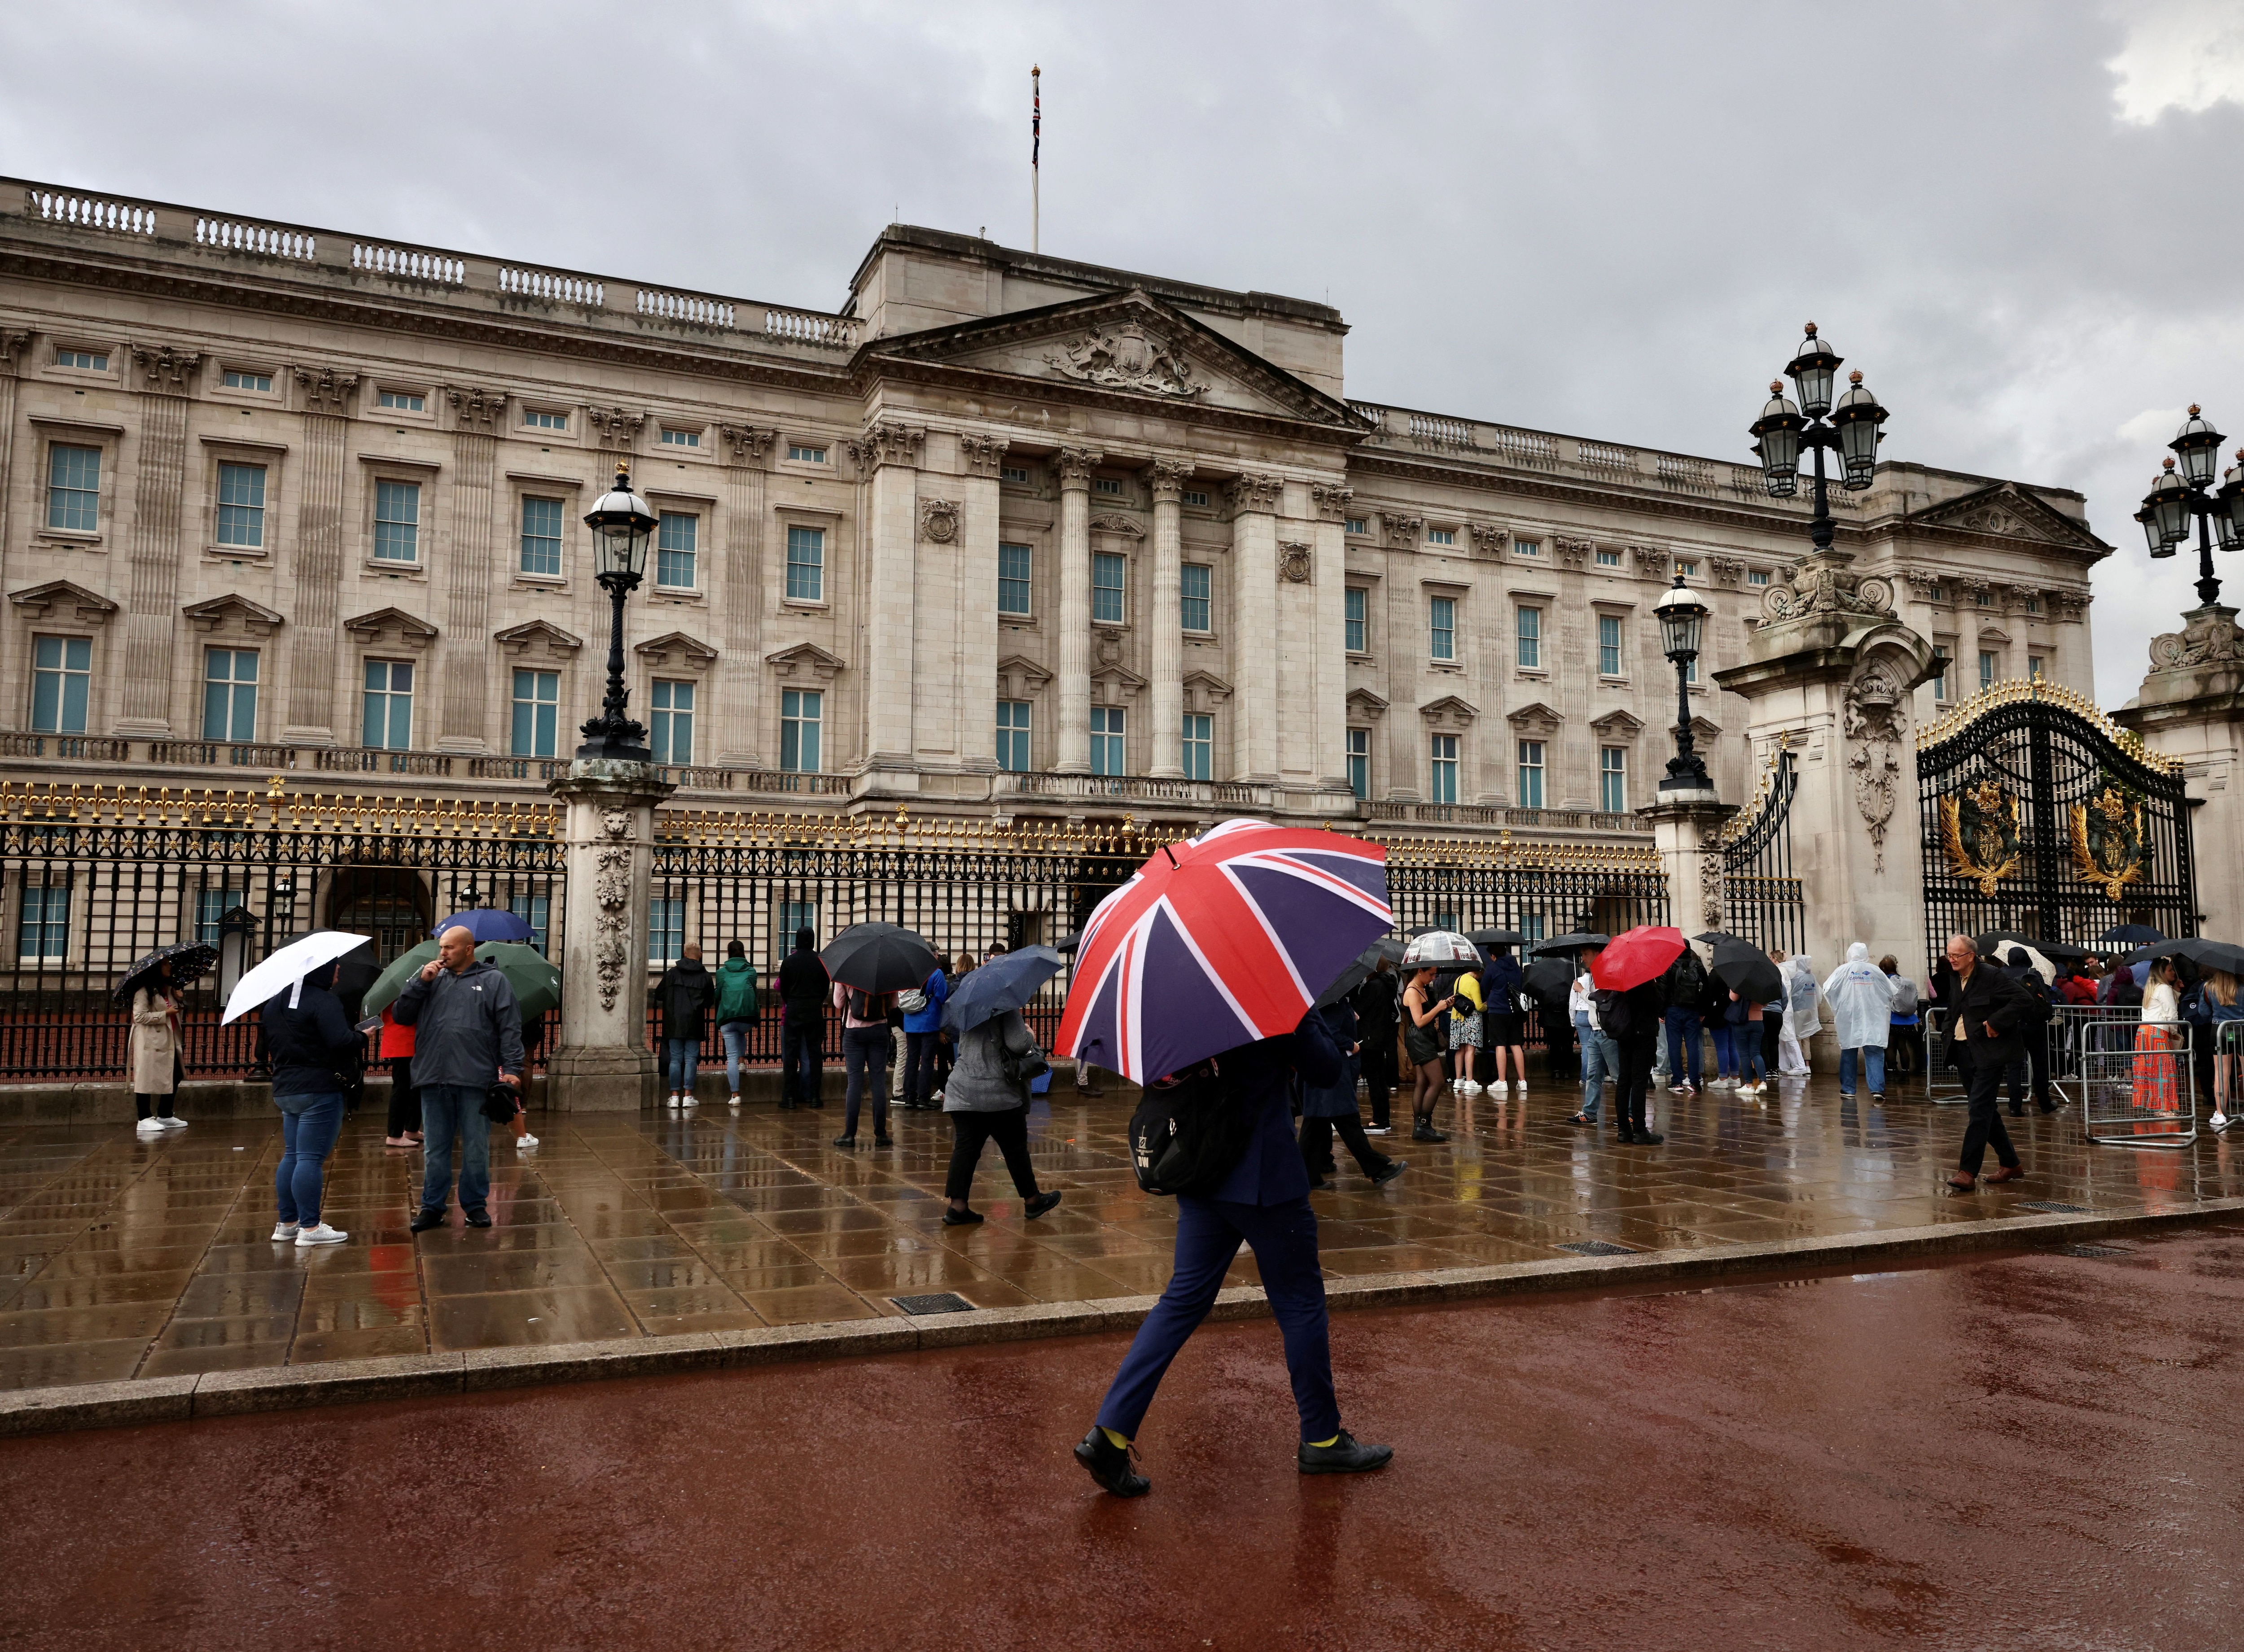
{"x": 1642, "y": 955}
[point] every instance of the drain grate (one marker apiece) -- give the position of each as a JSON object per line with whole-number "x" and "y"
{"x": 2096, "y": 1251}
{"x": 934, "y": 1302}
{"x": 1599, "y": 1248}
{"x": 2052, "y": 1207}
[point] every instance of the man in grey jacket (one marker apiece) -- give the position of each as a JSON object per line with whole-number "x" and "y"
{"x": 467, "y": 1032}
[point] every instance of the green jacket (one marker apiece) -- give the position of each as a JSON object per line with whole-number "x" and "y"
{"x": 736, "y": 991}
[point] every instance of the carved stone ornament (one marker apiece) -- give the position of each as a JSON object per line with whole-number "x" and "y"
{"x": 887, "y": 444}
{"x": 1403, "y": 532}
{"x": 1166, "y": 477}
{"x": 1489, "y": 539}
{"x": 13, "y": 342}
{"x": 1253, "y": 493}
{"x": 1728, "y": 569}
{"x": 981, "y": 456}
{"x": 1075, "y": 466}
{"x": 612, "y": 890}
{"x": 1331, "y": 500}
{"x": 2067, "y": 605}
{"x": 325, "y": 390}
{"x": 477, "y": 410}
{"x": 619, "y": 430}
{"x": 1874, "y": 715}
{"x": 1650, "y": 559}
{"x": 1128, "y": 358}
{"x": 1575, "y": 553}
{"x": 1296, "y": 564}
{"x": 938, "y": 521}
{"x": 1713, "y": 902}
{"x": 1110, "y": 523}
{"x": 1821, "y": 585}
{"x": 747, "y": 444}
{"x": 2208, "y": 637}
{"x": 166, "y": 370}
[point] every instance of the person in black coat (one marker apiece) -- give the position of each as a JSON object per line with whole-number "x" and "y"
{"x": 803, "y": 986}
{"x": 316, "y": 1055}
{"x": 1376, "y": 1004}
{"x": 1263, "y": 1202}
{"x": 1330, "y": 1109}
{"x": 1635, "y": 1018}
{"x": 1988, "y": 1018}
{"x": 2034, "y": 1067}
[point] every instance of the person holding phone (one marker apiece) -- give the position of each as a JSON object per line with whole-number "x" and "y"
{"x": 1422, "y": 1042}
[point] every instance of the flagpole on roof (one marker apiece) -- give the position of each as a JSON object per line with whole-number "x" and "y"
{"x": 1036, "y": 144}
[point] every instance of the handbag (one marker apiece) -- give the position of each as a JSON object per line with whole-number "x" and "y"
{"x": 912, "y": 1002}
{"x": 500, "y": 1104}
{"x": 1021, "y": 1070}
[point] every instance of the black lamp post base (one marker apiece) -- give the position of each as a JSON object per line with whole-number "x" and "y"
{"x": 620, "y": 741}
{"x": 1686, "y": 774}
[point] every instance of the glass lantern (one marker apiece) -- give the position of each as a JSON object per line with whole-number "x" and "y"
{"x": 1777, "y": 441}
{"x": 622, "y": 524}
{"x": 1858, "y": 418}
{"x": 2198, "y": 445}
{"x": 1812, "y": 371}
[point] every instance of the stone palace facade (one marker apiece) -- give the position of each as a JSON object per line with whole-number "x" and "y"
{"x": 1005, "y": 534}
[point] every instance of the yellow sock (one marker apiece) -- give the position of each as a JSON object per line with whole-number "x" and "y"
{"x": 1334, "y": 1441}
{"x": 1120, "y": 1442}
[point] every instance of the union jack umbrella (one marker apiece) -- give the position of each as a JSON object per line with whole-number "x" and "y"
{"x": 1219, "y": 940}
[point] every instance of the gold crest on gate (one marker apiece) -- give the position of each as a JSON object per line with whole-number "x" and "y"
{"x": 1979, "y": 829}
{"x": 2110, "y": 848}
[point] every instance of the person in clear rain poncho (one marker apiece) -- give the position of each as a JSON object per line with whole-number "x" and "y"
{"x": 1861, "y": 996}
{"x": 1800, "y": 1023}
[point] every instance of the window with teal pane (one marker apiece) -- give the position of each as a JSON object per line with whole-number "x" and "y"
{"x": 1609, "y": 645}
{"x": 1940, "y": 683}
{"x": 1358, "y": 762}
{"x": 806, "y": 564}
{"x": 229, "y": 694}
{"x": 1013, "y": 753}
{"x": 1531, "y": 774}
{"x": 536, "y": 911}
{"x": 541, "y": 537}
{"x": 211, "y": 908}
{"x": 74, "y": 489}
{"x": 387, "y": 708}
{"x": 42, "y": 926}
{"x": 1612, "y": 779}
{"x": 1443, "y": 778}
{"x": 239, "y": 379}
{"x": 62, "y": 684}
{"x": 539, "y": 420}
{"x": 793, "y": 915}
{"x": 665, "y": 928}
{"x": 675, "y": 543}
{"x": 1199, "y": 755}
{"x": 673, "y": 717}
{"x": 397, "y": 521}
{"x": 1531, "y": 639}
{"x": 1107, "y": 756}
{"x": 1016, "y": 563}
{"x": 1108, "y": 573}
{"x": 1443, "y": 625}
{"x": 241, "y": 505}
{"x": 92, "y": 361}
{"x": 1197, "y": 588}
{"x": 1356, "y": 610}
{"x": 536, "y": 713}
{"x": 801, "y": 711}
{"x": 1986, "y": 669}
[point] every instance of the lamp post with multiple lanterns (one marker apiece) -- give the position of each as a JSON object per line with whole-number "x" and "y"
{"x": 2186, "y": 491}
{"x": 1785, "y": 427}
{"x": 622, "y": 523}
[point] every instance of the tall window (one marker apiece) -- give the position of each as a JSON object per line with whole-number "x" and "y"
{"x": 1531, "y": 774}
{"x": 2034, "y": 667}
{"x": 388, "y": 722}
{"x": 241, "y": 505}
{"x": 1441, "y": 621}
{"x": 43, "y": 927}
{"x": 806, "y": 564}
{"x": 229, "y": 694}
{"x": 1986, "y": 669}
{"x": 541, "y": 537}
{"x": 1197, "y": 587}
{"x": 1356, "y": 609}
{"x": 1016, "y": 563}
{"x": 536, "y": 713}
{"x": 1199, "y": 754}
{"x": 1443, "y": 778}
{"x": 665, "y": 928}
{"x": 1107, "y": 753}
{"x": 1358, "y": 762}
{"x": 397, "y": 521}
{"x": 1013, "y": 752}
{"x": 1608, "y": 646}
{"x": 74, "y": 489}
{"x": 1612, "y": 779}
{"x": 1940, "y": 683}
{"x": 62, "y": 681}
{"x": 1532, "y": 931}
{"x": 793, "y": 915}
{"x": 1108, "y": 572}
{"x": 801, "y": 711}
{"x": 536, "y": 911}
{"x": 673, "y": 717}
{"x": 1531, "y": 639}
{"x": 675, "y": 543}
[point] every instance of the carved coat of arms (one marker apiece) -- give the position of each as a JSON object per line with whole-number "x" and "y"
{"x": 2110, "y": 848}
{"x": 1128, "y": 358}
{"x": 1979, "y": 829}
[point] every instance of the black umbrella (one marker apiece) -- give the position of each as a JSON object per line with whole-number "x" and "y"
{"x": 1354, "y": 976}
{"x": 2206, "y": 955}
{"x": 355, "y": 972}
{"x": 1748, "y": 972}
{"x": 1001, "y": 984}
{"x": 190, "y": 962}
{"x": 1494, "y": 937}
{"x": 1575, "y": 942}
{"x": 1068, "y": 942}
{"x": 2130, "y": 934}
{"x": 1550, "y": 979}
{"x": 1721, "y": 937}
{"x": 1390, "y": 949}
{"x": 879, "y": 958}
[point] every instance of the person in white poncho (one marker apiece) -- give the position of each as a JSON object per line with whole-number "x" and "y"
{"x": 1799, "y": 1020}
{"x": 1861, "y": 996}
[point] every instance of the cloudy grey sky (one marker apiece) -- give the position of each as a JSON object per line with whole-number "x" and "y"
{"x": 2019, "y": 219}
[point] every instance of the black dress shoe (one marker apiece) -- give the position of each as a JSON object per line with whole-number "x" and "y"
{"x": 849, "y": 1142}
{"x": 1649, "y": 1138}
{"x": 1109, "y": 1464}
{"x": 425, "y": 1218}
{"x": 2016, "y": 1111}
{"x": 1346, "y": 1455}
{"x": 1624, "y": 1135}
{"x": 1388, "y": 1172}
{"x": 478, "y": 1217}
{"x": 787, "y": 1107}
{"x": 1422, "y": 1131}
{"x": 884, "y": 1140}
{"x": 1043, "y": 1201}
{"x": 960, "y": 1218}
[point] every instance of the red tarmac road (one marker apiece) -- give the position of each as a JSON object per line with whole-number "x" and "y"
{"x": 2039, "y": 1451}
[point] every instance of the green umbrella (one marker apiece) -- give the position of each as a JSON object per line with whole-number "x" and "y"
{"x": 536, "y": 983}
{"x": 391, "y": 981}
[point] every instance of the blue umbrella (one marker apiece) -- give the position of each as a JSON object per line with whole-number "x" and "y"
{"x": 490, "y": 923}
{"x": 1003, "y": 983}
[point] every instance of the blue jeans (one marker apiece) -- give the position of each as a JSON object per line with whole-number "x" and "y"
{"x": 306, "y": 1138}
{"x": 1683, "y": 1052}
{"x": 1600, "y": 1067}
{"x": 1725, "y": 1048}
{"x": 1751, "y": 1041}
{"x": 685, "y": 1060}
{"x": 447, "y": 1110}
{"x": 866, "y": 1050}
{"x": 1873, "y": 1058}
{"x": 735, "y": 1035}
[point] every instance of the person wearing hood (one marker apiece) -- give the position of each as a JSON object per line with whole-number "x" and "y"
{"x": 684, "y": 997}
{"x": 1801, "y": 1023}
{"x": 803, "y": 986}
{"x": 1861, "y": 995}
{"x": 736, "y": 1012}
{"x": 315, "y": 1054}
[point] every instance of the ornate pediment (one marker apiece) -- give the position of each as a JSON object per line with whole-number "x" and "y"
{"x": 232, "y": 612}
{"x": 1128, "y": 356}
{"x": 673, "y": 650}
{"x": 2011, "y": 512}
{"x": 393, "y": 626}
{"x": 805, "y": 661}
{"x": 1448, "y": 711}
{"x": 539, "y": 637}
{"x": 73, "y": 602}
{"x": 1363, "y": 703}
{"x": 1618, "y": 726}
{"x": 1204, "y": 691}
{"x": 1019, "y": 677}
{"x": 1111, "y": 523}
{"x": 1110, "y": 685}
{"x": 1535, "y": 718}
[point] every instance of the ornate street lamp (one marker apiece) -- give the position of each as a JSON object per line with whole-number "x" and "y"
{"x": 622, "y": 523}
{"x": 1784, "y": 428}
{"x": 1682, "y": 615}
{"x": 2181, "y": 492}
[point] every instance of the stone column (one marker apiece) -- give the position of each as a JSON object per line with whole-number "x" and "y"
{"x": 740, "y": 673}
{"x": 1076, "y": 465}
{"x": 891, "y": 454}
{"x": 604, "y": 1065}
{"x": 1684, "y": 825}
{"x": 2191, "y": 711}
{"x": 1167, "y": 621}
{"x": 151, "y": 599}
{"x": 973, "y": 617}
{"x": 12, "y": 345}
{"x": 327, "y": 398}
{"x": 1254, "y": 500}
{"x": 470, "y": 569}
{"x": 1331, "y": 501}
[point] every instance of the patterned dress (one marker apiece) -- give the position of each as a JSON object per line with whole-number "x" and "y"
{"x": 2157, "y": 1069}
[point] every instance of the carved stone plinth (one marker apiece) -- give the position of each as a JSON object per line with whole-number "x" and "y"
{"x": 2191, "y": 708}
{"x": 604, "y": 1065}
{"x": 1684, "y": 826}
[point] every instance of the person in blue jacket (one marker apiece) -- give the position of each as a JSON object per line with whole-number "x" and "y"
{"x": 1263, "y": 1203}
{"x": 922, "y": 1034}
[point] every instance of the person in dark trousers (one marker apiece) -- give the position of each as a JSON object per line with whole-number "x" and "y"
{"x": 736, "y": 1013}
{"x": 802, "y": 988}
{"x": 467, "y": 1033}
{"x": 2034, "y": 1067}
{"x": 988, "y": 1104}
{"x": 866, "y": 1047}
{"x": 684, "y": 998}
{"x": 1329, "y": 1108}
{"x": 404, "y": 1100}
{"x": 1988, "y": 1014}
{"x": 1634, "y": 1019}
{"x": 1263, "y": 1202}
{"x": 316, "y": 1055}
{"x": 1684, "y": 991}
{"x": 1376, "y": 1007}
{"x": 922, "y": 1038}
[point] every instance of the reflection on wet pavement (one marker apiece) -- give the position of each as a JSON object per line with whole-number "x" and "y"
{"x": 122, "y": 1257}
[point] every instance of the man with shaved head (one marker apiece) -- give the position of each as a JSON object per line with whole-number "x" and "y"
{"x": 467, "y": 1034}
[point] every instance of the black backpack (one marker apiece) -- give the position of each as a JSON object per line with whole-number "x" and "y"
{"x": 1185, "y": 1135}
{"x": 1614, "y": 1017}
{"x": 2036, "y": 992}
{"x": 1690, "y": 980}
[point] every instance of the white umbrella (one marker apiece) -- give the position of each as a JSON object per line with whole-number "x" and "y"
{"x": 288, "y": 967}
{"x": 1439, "y": 946}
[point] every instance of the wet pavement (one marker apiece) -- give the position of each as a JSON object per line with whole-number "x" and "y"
{"x": 121, "y": 1257}
{"x": 2035, "y": 1451}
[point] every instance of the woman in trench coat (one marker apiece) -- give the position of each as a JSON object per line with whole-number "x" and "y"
{"x": 155, "y": 1056}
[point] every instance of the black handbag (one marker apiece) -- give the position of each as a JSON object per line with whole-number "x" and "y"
{"x": 500, "y": 1104}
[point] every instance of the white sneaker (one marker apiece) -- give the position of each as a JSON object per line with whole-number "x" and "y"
{"x": 148, "y": 1129}
{"x": 689, "y": 1099}
{"x": 1521, "y": 1087}
{"x": 1378, "y": 1129}
{"x": 673, "y": 1098}
{"x": 1466, "y": 1087}
{"x": 525, "y": 1141}
{"x": 321, "y": 1233}
{"x": 284, "y": 1230}
{"x": 733, "y": 1101}
{"x": 172, "y": 1122}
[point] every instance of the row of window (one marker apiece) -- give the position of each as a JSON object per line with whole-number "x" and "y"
{"x": 1989, "y": 668}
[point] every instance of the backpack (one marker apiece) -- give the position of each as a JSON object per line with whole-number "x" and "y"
{"x": 1690, "y": 980}
{"x": 1185, "y": 1135}
{"x": 1614, "y": 1018}
{"x": 864, "y": 1006}
{"x": 2037, "y": 993}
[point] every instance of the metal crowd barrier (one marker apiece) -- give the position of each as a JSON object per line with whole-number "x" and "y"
{"x": 1944, "y": 1085}
{"x": 2138, "y": 1083}
{"x": 2066, "y": 1026}
{"x": 2227, "y": 1071}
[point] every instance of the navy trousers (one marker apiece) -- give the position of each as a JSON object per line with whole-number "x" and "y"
{"x": 1209, "y": 1233}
